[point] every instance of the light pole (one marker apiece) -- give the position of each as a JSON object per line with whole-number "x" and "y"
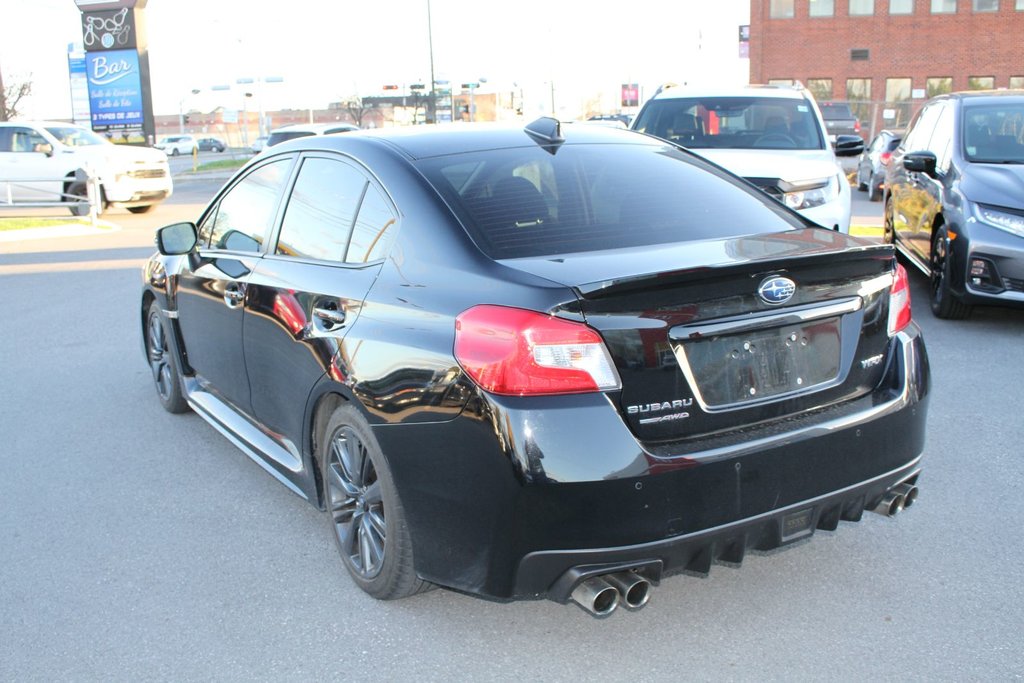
{"x": 433, "y": 78}
{"x": 181, "y": 111}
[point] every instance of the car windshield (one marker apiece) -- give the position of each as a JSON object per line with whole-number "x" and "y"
{"x": 76, "y": 137}
{"x": 733, "y": 122}
{"x": 526, "y": 202}
{"x": 994, "y": 133}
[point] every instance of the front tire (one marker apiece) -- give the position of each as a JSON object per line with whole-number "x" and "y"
{"x": 874, "y": 189}
{"x": 364, "y": 511}
{"x": 141, "y": 209}
{"x": 162, "y": 362}
{"x": 945, "y": 304}
{"x": 79, "y": 190}
{"x": 174, "y": 151}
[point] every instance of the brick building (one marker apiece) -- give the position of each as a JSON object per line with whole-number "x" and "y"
{"x": 887, "y": 56}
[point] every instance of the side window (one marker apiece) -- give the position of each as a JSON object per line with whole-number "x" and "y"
{"x": 941, "y": 142}
{"x": 246, "y": 212}
{"x": 321, "y": 210}
{"x": 24, "y": 140}
{"x": 374, "y": 231}
{"x": 921, "y": 132}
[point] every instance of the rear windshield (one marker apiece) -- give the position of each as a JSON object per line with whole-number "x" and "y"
{"x": 526, "y": 202}
{"x": 733, "y": 122}
{"x": 285, "y": 135}
{"x": 835, "y": 111}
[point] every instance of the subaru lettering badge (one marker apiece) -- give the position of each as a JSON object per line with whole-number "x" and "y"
{"x": 776, "y": 290}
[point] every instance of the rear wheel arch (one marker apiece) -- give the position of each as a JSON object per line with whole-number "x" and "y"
{"x": 325, "y": 406}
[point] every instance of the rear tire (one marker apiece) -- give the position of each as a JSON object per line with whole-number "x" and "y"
{"x": 78, "y": 190}
{"x": 874, "y": 189}
{"x": 141, "y": 209}
{"x": 174, "y": 151}
{"x": 364, "y": 511}
{"x": 861, "y": 185}
{"x": 945, "y": 304}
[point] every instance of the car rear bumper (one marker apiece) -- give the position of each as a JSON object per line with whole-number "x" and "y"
{"x": 514, "y": 495}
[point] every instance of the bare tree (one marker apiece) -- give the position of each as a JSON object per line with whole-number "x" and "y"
{"x": 357, "y": 109}
{"x": 11, "y": 96}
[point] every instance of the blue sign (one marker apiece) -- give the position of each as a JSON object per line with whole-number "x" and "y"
{"x": 115, "y": 89}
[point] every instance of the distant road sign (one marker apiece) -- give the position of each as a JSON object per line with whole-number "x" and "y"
{"x": 230, "y": 115}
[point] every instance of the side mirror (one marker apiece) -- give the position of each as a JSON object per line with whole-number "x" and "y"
{"x": 921, "y": 162}
{"x": 176, "y": 239}
{"x": 848, "y": 145}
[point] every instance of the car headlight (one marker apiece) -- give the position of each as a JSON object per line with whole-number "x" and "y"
{"x": 1008, "y": 222}
{"x": 806, "y": 195}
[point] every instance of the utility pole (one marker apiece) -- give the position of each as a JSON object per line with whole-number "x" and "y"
{"x": 3, "y": 97}
{"x": 433, "y": 93}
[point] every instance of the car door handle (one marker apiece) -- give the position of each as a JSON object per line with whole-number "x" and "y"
{"x": 329, "y": 317}
{"x": 234, "y": 295}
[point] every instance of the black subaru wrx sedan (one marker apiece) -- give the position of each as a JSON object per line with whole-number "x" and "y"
{"x": 539, "y": 362}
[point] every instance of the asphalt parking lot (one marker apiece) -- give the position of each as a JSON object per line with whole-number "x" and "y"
{"x": 139, "y": 545}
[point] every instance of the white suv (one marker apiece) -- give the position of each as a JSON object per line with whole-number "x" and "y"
{"x": 39, "y": 160}
{"x": 773, "y": 136}
{"x": 178, "y": 144}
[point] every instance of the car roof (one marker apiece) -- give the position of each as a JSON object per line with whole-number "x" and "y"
{"x": 780, "y": 91}
{"x": 981, "y": 94}
{"x": 421, "y": 142}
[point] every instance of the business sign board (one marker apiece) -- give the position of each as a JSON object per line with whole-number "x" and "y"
{"x": 630, "y": 95}
{"x": 109, "y": 30}
{"x": 79, "y": 87}
{"x": 115, "y": 90}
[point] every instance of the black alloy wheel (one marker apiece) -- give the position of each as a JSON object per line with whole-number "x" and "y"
{"x": 364, "y": 510}
{"x": 944, "y": 302}
{"x": 162, "y": 363}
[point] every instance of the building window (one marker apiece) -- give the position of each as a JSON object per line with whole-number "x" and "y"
{"x": 901, "y": 6}
{"x": 862, "y": 8}
{"x": 858, "y": 92}
{"x": 1020, "y": 5}
{"x": 860, "y": 54}
{"x": 781, "y": 9}
{"x": 897, "y": 101}
{"x": 981, "y": 82}
{"x": 939, "y": 86}
{"x": 821, "y": 88}
{"x": 943, "y": 6}
{"x": 986, "y": 5}
{"x": 1017, "y": 82}
{"x": 822, "y": 8}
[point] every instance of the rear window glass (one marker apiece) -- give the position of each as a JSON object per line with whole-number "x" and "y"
{"x": 733, "y": 122}
{"x": 835, "y": 111}
{"x": 284, "y": 136}
{"x": 526, "y": 202}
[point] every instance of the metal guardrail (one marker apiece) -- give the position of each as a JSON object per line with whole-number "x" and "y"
{"x": 78, "y": 205}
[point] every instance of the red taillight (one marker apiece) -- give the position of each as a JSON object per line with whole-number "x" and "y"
{"x": 516, "y": 352}
{"x": 884, "y": 158}
{"x": 899, "y": 301}
{"x": 856, "y": 125}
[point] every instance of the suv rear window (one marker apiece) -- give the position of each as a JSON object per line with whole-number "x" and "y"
{"x": 831, "y": 111}
{"x": 733, "y": 122}
{"x": 525, "y": 202}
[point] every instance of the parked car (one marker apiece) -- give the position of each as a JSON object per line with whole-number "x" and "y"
{"x": 839, "y": 119}
{"x": 624, "y": 119}
{"x": 874, "y": 160}
{"x": 549, "y": 361}
{"x": 39, "y": 161}
{"x": 178, "y": 144}
{"x": 954, "y": 199}
{"x": 258, "y": 144}
{"x": 771, "y": 135}
{"x": 306, "y": 129}
{"x": 210, "y": 145}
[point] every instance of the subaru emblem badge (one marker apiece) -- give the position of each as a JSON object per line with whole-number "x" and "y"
{"x": 776, "y": 290}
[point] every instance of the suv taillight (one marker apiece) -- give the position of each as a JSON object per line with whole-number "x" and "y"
{"x": 515, "y": 352}
{"x": 899, "y": 301}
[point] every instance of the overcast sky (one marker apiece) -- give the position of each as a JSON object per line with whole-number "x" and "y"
{"x": 326, "y": 49}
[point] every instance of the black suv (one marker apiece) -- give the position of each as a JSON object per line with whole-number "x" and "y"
{"x": 954, "y": 200}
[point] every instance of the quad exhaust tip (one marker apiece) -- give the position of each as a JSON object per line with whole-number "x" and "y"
{"x": 602, "y": 595}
